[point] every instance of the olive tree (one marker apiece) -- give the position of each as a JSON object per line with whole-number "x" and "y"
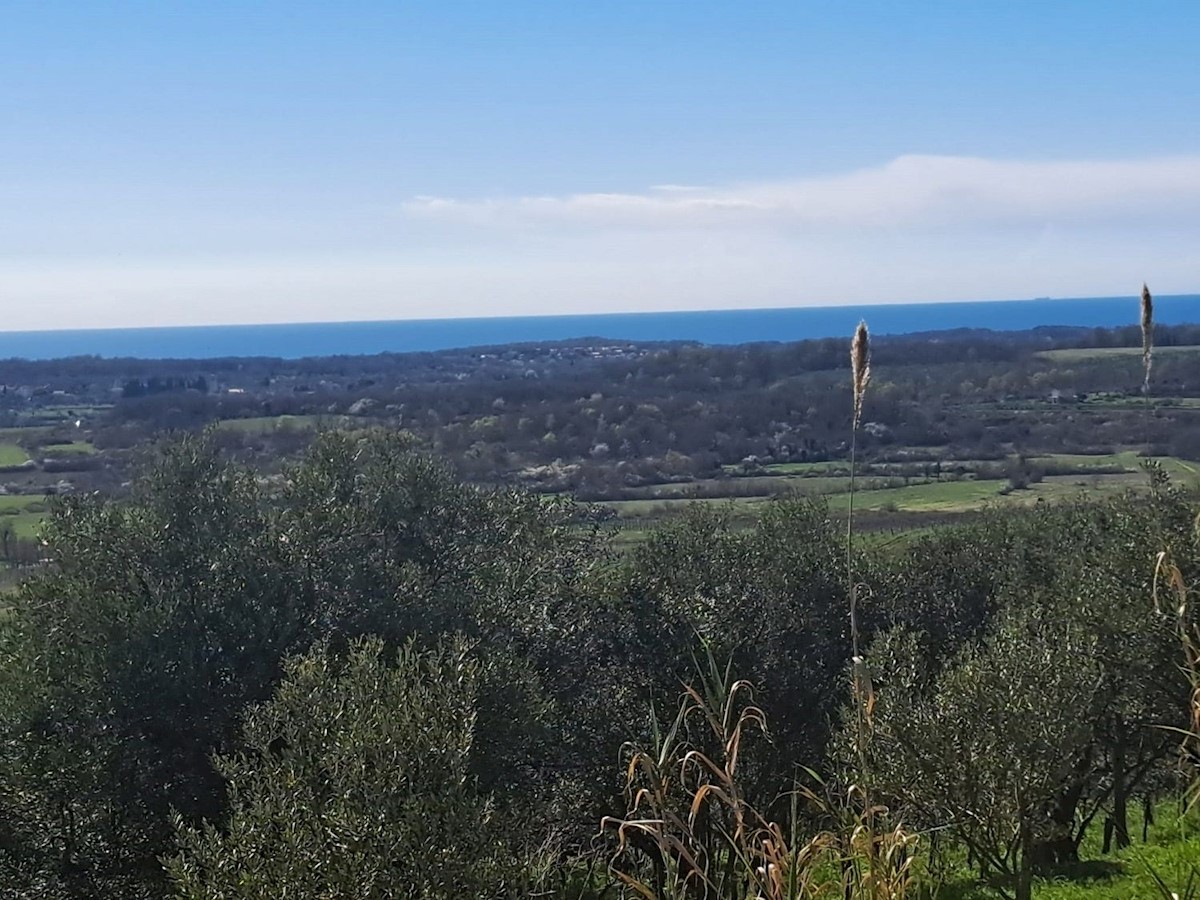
{"x": 986, "y": 745}
{"x": 354, "y": 780}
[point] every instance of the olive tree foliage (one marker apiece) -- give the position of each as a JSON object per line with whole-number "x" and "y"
{"x": 1103, "y": 585}
{"x": 355, "y": 780}
{"x": 126, "y": 663}
{"x": 984, "y": 746}
{"x": 1080, "y": 578}
{"x": 1109, "y": 595}
{"x": 129, "y": 662}
{"x": 771, "y": 600}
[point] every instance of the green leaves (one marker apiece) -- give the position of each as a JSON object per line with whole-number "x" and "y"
{"x": 131, "y": 662}
{"x": 354, "y": 781}
{"x": 987, "y": 745}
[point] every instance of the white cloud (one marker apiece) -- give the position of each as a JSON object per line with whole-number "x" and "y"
{"x": 911, "y": 191}
{"x": 918, "y": 228}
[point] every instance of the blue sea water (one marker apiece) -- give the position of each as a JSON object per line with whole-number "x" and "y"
{"x": 710, "y": 327}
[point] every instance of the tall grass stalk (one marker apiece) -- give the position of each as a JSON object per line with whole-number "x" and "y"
{"x": 1147, "y": 338}
{"x": 860, "y": 371}
{"x": 1147, "y": 322}
{"x": 693, "y": 830}
{"x": 868, "y": 866}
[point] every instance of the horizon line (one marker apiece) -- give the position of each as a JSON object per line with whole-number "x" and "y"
{"x": 580, "y": 315}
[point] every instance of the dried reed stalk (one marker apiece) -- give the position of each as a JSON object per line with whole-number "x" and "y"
{"x": 860, "y": 371}
{"x": 1147, "y": 337}
{"x": 860, "y": 363}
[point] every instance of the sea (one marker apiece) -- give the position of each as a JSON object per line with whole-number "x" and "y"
{"x": 727, "y": 326}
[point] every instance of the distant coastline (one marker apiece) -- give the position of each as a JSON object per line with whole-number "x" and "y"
{"x": 730, "y": 326}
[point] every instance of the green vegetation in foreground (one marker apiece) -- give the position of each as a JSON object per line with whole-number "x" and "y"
{"x": 1014, "y": 656}
{"x": 12, "y": 455}
{"x": 1171, "y": 853}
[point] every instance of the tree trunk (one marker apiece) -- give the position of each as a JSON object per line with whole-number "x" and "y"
{"x": 1025, "y": 864}
{"x": 1120, "y": 813}
{"x": 1061, "y": 848}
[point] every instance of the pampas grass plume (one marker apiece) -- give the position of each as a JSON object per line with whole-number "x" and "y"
{"x": 860, "y": 362}
{"x": 1147, "y": 336}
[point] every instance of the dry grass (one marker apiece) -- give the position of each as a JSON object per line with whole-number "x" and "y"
{"x": 1147, "y": 337}
{"x": 860, "y": 365}
{"x": 692, "y": 831}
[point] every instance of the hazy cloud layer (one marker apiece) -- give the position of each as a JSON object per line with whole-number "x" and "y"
{"x": 912, "y": 191}
{"x": 918, "y": 228}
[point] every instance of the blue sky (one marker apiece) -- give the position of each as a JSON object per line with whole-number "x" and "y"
{"x": 176, "y": 163}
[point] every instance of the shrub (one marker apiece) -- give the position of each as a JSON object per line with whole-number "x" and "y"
{"x": 354, "y": 780}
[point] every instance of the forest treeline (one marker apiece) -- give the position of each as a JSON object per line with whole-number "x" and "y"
{"x": 371, "y": 679}
{"x": 598, "y": 418}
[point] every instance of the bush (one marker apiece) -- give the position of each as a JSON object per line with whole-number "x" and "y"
{"x": 354, "y": 780}
{"x": 988, "y": 744}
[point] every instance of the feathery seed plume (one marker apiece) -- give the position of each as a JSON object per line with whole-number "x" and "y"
{"x": 860, "y": 363}
{"x": 1147, "y": 336}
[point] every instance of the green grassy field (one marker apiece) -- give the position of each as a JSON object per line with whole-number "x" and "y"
{"x": 1172, "y": 853}
{"x": 882, "y": 496}
{"x": 24, "y": 525}
{"x": 23, "y": 513}
{"x": 1130, "y": 460}
{"x": 944, "y": 496}
{"x": 757, "y": 486}
{"x": 12, "y": 455}
{"x": 25, "y": 434}
{"x": 73, "y": 448}
{"x": 1082, "y": 353}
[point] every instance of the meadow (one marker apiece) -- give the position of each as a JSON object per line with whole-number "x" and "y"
{"x": 1076, "y": 354}
{"x": 12, "y": 455}
{"x": 912, "y": 499}
{"x": 69, "y": 448}
{"x": 22, "y": 514}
